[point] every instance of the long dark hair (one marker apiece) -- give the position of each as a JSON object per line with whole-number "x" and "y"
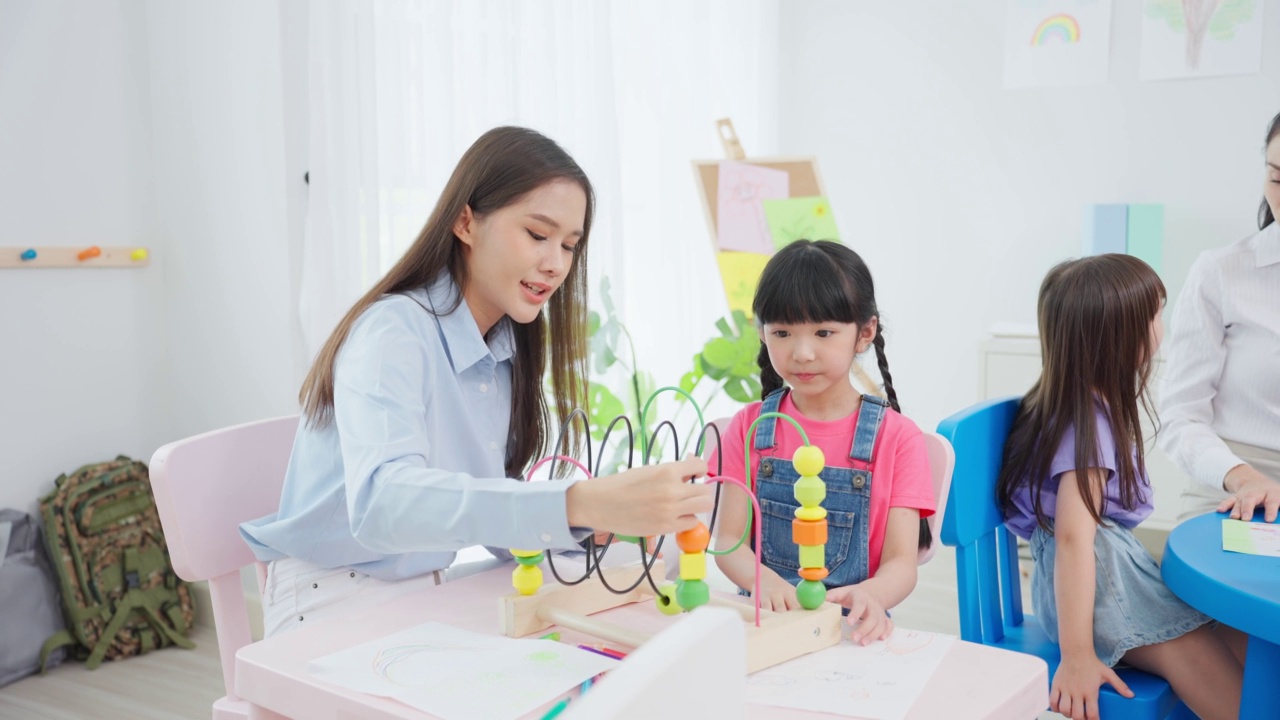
{"x": 499, "y": 169}
{"x": 820, "y": 281}
{"x": 1095, "y": 318}
{"x": 1265, "y": 216}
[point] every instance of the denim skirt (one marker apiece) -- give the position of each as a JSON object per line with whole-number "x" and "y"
{"x": 1131, "y": 605}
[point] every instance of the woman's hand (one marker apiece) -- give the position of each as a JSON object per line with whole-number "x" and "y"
{"x": 866, "y": 614}
{"x": 1250, "y": 489}
{"x": 643, "y": 501}
{"x": 1074, "y": 692}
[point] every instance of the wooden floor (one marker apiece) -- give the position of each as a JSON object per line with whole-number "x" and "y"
{"x": 176, "y": 683}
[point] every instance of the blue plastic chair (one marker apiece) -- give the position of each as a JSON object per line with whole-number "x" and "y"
{"x": 990, "y": 587}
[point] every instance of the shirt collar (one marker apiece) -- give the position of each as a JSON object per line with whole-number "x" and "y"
{"x": 462, "y": 340}
{"x": 1267, "y": 249}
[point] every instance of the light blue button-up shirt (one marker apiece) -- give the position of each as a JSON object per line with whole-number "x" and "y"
{"x": 412, "y": 467}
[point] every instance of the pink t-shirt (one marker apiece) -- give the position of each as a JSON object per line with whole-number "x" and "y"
{"x": 900, "y": 475}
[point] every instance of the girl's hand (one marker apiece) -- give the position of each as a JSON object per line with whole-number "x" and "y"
{"x": 776, "y": 594}
{"x": 1074, "y": 692}
{"x": 866, "y": 614}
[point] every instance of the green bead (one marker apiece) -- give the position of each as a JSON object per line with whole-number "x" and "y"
{"x": 811, "y": 594}
{"x": 813, "y": 556}
{"x": 808, "y": 460}
{"x": 531, "y": 560}
{"x": 692, "y": 593}
{"x": 666, "y": 600}
{"x": 810, "y": 491}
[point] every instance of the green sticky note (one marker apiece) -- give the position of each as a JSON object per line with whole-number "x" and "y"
{"x": 800, "y": 218}
{"x": 1252, "y": 538}
{"x": 1145, "y": 236}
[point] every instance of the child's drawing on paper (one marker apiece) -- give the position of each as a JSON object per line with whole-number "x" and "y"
{"x": 1200, "y": 38}
{"x": 880, "y": 680}
{"x": 740, "y": 220}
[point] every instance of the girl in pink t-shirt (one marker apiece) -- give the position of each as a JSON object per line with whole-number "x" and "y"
{"x": 816, "y": 311}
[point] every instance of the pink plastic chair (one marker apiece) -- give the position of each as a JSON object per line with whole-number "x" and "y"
{"x": 205, "y": 486}
{"x": 942, "y": 461}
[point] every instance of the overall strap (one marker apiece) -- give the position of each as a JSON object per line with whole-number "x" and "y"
{"x": 766, "y": 430}
{"x": 870, "y": 416}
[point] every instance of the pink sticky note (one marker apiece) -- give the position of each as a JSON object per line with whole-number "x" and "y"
{"x": 740, "y": 218}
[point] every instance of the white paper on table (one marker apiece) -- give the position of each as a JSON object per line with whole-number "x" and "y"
{"x": 879, "y": 681}
{"x": 460, "y": 675}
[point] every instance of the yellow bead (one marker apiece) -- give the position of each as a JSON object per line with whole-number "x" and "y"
{"x": 809, "y": 491}
{"x": 666, "y": 600}
{"x": 813, "y": 513}
{"x": 525, "y": 553}
{"x": 813, "y": 556}
{"x": 526, "y": 579}
{"x": 693, "y": 566}
{"x": 808, "y": 460}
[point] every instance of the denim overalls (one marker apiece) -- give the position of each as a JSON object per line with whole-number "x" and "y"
{"x": 848, "y": 500}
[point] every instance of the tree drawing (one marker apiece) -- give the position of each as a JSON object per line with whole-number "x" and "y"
{"x": 1200, "y": 18}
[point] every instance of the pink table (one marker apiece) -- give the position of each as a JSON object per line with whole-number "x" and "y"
{"x": 973, "y": 681}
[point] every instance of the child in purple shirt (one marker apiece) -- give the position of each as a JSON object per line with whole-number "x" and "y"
{"x": 1074, "y": 483}
{"x": 1022, "y": 519}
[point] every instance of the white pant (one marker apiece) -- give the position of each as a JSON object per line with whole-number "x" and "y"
{"x": 1198, "y": 499}
{"x": 299, "y": 592}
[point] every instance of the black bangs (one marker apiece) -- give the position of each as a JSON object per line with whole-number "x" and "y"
{"x": 804, "y": 283}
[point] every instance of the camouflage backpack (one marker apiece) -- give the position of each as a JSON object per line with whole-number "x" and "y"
{"x": 120, "y": 596}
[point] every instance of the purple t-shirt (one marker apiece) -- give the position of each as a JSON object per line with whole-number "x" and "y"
{"x": 1022, "y": 519}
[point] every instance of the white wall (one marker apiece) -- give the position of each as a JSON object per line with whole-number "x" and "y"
{"x": 960, "y": 194}
{"x": 222, "y": 202}
{"x": 82, "y": 357}
{"x": 158, "y": 123}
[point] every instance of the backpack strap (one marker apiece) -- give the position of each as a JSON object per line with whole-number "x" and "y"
{"x": 60, "y": 639}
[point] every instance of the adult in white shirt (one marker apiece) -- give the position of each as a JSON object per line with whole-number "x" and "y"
{"x": 1221, "y": 399}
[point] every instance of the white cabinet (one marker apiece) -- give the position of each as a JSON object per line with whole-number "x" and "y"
{"x": 1011, "y": 365}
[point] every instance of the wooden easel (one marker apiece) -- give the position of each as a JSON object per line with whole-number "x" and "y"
{"x": 804, "y": 179}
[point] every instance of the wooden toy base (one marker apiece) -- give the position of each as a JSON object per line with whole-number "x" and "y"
{"x": 779, "y": 637}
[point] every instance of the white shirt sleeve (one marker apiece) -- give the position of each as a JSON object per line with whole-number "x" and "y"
{"x": 1196, "y": 353}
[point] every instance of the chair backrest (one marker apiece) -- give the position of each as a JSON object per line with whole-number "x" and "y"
{"x": 942, "y": 460}
{"x": 699, "y": 662}
{"x": 986, "y": 553}
{"x": 205, "y": 486}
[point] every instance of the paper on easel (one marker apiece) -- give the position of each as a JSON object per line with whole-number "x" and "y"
{"x": 461, "y": 675}
{"x": 879, "y": 681}
{"x": 740, "y": 197}
{"x": 1251, "y": 538}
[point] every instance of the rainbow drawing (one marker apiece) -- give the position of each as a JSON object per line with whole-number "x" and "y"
{"x": 1061, "y": 27}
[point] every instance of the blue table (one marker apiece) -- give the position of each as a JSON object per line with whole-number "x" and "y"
{"x": 1242, "y": 591}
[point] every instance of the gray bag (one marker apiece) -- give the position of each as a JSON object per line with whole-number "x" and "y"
{"x": 29, "y": 607}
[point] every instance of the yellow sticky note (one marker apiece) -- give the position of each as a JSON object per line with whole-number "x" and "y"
{"x": 741, "y": 273}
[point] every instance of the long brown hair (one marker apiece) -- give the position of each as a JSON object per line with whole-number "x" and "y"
{"x": 1265, "y": 216}
{"x": 1095, "y": 318}
{"x": 499, "y": 169}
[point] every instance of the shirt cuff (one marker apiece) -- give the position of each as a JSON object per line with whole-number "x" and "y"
{"x": 1213, "y": 465}
{"x": 544, "y": 519}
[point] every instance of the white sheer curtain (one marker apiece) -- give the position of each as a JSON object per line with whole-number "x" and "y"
{"x": 398, "y": 89}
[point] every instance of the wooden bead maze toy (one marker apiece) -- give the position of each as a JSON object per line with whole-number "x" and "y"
{"x": 772, "y": 637}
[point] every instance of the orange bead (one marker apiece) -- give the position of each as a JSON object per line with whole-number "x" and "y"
{"x": 694, "y": 540}
{"x": 809, "y": 532}
{"x": 813, "y": 573}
